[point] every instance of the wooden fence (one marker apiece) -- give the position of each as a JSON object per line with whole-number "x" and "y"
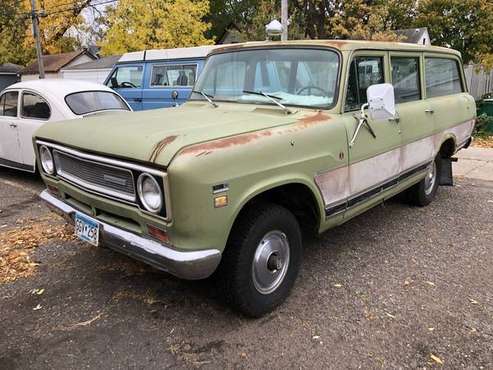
{"x": 478, "y": 80}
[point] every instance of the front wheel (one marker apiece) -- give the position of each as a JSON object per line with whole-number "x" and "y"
{"x": 262, "y": 259}
{"x": 424, "y": 191}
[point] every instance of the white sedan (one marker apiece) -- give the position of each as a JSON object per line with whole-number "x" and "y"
{"x": 27, "y": 105}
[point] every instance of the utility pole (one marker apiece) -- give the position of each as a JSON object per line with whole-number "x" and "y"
{"x": 284, "y": 19}
{"x": 35, "y": 20}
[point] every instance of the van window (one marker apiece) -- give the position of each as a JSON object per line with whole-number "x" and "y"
{"x": 442, "y": 77}
{"x": 173, "y": 75}
{"x": 34, "y": 106}
{"x": 405, "y": 78}
{"x": 364, "y": 72}
{"x": 129, "y": 77}
{"x": 8, "y": 104}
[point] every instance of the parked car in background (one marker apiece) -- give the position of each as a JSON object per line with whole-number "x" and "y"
{"x": 25, "y": 106}
{"x": 278, "y": 137}
{"x": 159, "y": 78}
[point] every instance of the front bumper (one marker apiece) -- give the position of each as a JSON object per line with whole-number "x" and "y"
{"x": 186, "y": 265}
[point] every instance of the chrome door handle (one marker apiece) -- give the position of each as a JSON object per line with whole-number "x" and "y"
{"x": 429, "y": 110}
{"x": 395, "y": 119}
{"x": 13, "y": 125}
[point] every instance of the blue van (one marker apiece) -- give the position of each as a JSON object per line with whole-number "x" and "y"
{"x": 162, "y": 78}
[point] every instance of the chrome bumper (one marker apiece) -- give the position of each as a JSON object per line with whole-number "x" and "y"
{"x": 186, "y": 265}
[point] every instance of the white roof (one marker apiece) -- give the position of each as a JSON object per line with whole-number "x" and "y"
{"x": 59, "y": 88}
{"x": 167, "y": 54}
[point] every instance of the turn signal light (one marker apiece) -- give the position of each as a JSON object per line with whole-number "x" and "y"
{"x": 220, "y": 201}
{"x": 157, "y": 233}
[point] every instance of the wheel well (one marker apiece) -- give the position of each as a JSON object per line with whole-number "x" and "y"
{"x": 447, "y": 149}
{"x": 297, "y": 198}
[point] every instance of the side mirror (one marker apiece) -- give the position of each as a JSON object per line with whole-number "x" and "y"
{"x": 381, "y": 101}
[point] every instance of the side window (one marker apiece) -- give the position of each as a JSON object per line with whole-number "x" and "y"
{"x": 126, "y": 77}
{"x": 405, "y": 78}
{"x": 442, "y": 77}
{"x": 363, "y": 72}
{"x": 9, "y": 103}
{"x": 173, "y": 75}
{"x": 34, "y": 106}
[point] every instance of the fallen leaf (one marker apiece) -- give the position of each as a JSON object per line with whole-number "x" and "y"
{"x": 431, "y": 329}
{"x": 38, "y": 307}
{"x": 390, "y": 315}
{"x": 430, "y": 283}
{"x": 338, "y": 285}
{"x": 316, "y": 337}
{"x": 437, "y": 359}
{"x": 473, "y": 301}
{"x": 406, "y": 282}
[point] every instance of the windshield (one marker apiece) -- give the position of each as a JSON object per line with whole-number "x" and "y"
{"x": 304, "y": 77}
{"x": 85, "y": 102}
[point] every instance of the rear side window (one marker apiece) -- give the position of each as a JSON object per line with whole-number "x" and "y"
{"x": 34, "y": 106}
{"x": 442, "y": 77}
{"x": 405, "y": 78}
{"x": 94, "y": 101}
{"x": 126, "y": 77}
{"x": 173, "y": 75}
{"x": 364, "y": 72}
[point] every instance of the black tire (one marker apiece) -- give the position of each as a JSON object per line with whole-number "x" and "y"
{"x": 236, "y": 272}
{"x": 422, "y": 194}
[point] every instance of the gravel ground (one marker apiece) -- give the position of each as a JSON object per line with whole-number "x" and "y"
{"x": 397, "y": 287}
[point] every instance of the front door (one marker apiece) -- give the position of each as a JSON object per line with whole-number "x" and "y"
{"x": 127, "y": 80}
{"x": 374, "y": 152}
{"x": 10, "y": 154}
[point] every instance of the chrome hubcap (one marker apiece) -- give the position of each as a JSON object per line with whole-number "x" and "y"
{"x": 430, "y": 178}
{"x": 270, "y": 262}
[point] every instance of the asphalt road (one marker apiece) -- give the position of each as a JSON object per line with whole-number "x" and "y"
{"x": 389, "y": 289}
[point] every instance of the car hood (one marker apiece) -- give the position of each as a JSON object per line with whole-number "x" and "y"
{"x": 155, "y": 136}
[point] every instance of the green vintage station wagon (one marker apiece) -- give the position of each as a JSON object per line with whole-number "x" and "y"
{"x": 278, "y": 137}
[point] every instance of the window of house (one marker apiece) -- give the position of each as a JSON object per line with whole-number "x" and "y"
{"x": 405, "y": 78}
{"x": 8, "y": 104}
{"x": 34, "y": 106}
{"x": 364, "y": 72}
{"x": 442, "y": 77}
{"x": 173, "y": 75}
{"x": 128, "y": 77}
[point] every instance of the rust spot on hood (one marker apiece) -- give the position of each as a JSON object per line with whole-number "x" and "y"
{"x": 211, "y": 146}
{"x": 159, "y": 147}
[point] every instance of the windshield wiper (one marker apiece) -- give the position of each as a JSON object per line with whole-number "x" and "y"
{"x": 272, "y": 98}
{"x": 206, "y": 97}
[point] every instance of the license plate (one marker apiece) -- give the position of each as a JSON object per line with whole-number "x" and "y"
{"x": 86, "y": 229}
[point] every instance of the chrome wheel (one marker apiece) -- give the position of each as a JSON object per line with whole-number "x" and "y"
{"x": 270, "y": 262}
{"x": 430, "y": 178}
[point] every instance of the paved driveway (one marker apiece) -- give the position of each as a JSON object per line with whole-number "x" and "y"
{"x": 396, "y": 287}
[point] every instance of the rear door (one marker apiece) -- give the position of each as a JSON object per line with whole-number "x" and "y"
{"x": 168, "y": 84}
{"x": 127, "y": 80}
{"x": 415, "y": 121}
{"x": 10, "y": 154}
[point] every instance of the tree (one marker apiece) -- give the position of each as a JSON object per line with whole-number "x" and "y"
{"x": 138, "y": 25}
{"x": 464, "y": 25}
{"x": 12, "y": 33}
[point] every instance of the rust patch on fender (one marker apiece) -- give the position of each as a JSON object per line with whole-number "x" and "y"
{"x": 159, "y": 147}
{"x": 211, "y": 146}
{"x": 336, "y": 43}
{"x": 315, "y": 119}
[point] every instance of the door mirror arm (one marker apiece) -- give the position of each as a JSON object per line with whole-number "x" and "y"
{"x": 362, "y": 119}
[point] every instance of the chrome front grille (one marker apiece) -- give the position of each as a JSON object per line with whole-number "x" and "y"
{"x": 102, "y": 178}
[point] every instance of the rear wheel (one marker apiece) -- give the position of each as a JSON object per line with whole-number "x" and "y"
{"x": 262, "y": 259}
{"x": 424, "y": 191}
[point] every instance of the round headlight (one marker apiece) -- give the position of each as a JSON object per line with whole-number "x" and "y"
{"x": 46, "y": 160}
{"x": 150, "y": 193}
